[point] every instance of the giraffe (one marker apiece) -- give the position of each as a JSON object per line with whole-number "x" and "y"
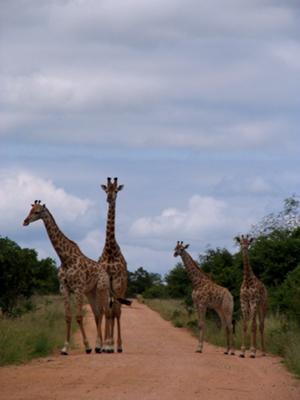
{"x": 207, "y": 294}
{"x": 77, "y": 274}
{"x": 114, "y": 263}
{"x": 253, "y": 298}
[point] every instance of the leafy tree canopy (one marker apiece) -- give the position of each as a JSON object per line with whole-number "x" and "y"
{"x": 22, "y": 274}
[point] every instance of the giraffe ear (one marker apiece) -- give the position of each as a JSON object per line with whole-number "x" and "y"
{"x": 104, "y": 187}
{"x": 251, "y": 240}
{"x": 237, "y": 239}
{"x": 120, "y": 187}
{"x": 186, "y": 246}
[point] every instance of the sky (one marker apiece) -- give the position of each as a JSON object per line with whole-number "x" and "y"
{"x": 193, "y": 105}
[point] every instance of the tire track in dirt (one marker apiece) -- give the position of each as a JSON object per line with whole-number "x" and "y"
{"x": 159, "y": 362}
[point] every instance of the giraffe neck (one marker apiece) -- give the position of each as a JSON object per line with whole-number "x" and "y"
{"x": 111, "y": 244}
{"x": 194, "y": 272}
{"x": 248, "y": 273}
{"x": 62, "y": 245}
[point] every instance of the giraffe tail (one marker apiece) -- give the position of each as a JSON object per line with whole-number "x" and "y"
{"x": 124, "y": 301}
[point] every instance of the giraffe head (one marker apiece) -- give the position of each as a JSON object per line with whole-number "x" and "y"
{"x": 111, "y": 189}
{"x": 179, "y": 248}
{"x": 244, "y": 241}
{"x": 37, "y": 211}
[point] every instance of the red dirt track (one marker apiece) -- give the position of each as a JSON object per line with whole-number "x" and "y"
{"x": 159, "y": 363}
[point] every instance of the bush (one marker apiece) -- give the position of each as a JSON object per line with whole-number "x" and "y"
{"x": 22, "y": 275}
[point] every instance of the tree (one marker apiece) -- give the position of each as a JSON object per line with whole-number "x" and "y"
{"x": 141, "y": 281}
{"x": 287, "y": 219}
{"x": 178, "y": 283}
{"x": 274, "y": 255}
{"x": 22, "y": 275}
{"x": 288, "y": 295}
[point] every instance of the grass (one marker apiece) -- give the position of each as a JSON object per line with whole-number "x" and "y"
{"x": 282, "y": 337}
{"x": 34, "y": 334}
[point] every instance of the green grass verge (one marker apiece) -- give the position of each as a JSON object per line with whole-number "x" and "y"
{"x": 34, "y": 334}
{"x": 282, "y": 337}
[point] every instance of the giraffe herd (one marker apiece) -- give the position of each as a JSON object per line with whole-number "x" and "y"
{"x": 104, "y": 283}
{"x": 207, "y": 294}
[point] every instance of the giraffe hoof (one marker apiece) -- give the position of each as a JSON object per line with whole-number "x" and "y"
{"x": 63, "y": 353}
{"x": 98, "y": 350}
{"x": 226, "y": 353}
{"x": 232, "y": 353}
{"x": 88, "y": 351}
{"x": 111, "y": 351}
{"x": 120, "y": 350}
{"x": 242, "y": 355}
{"x": 198, "y": 351}
{"x": 252, "y": 356}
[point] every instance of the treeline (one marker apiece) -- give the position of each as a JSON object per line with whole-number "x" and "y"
{"x": 22, "y": 275}
{"x": 274, "y": 257}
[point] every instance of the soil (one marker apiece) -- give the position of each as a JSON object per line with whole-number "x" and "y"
{"x": 158, "y": 362}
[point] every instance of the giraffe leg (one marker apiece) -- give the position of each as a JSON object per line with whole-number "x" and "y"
{"x": 201, "y": 325}
{"x": 68, "y": 317}
{"x": 108, "y": 347}
{"x": 119, "y": 340}
{"x": 244, "y": 337}
{"x": 101, "y": 305}
{"x": 117, "y": 312}
{"x": 107, "y": 333}
{"x": 226, "y": 317}
{"x": 79, "y": 319}
{"x": 229, "y": 335}
{"x": 245, "y": 308}
{"x": 112, "y": 341}
{"x": 253, "y": 330}
{"x": 261, "y": 318}
{"x": 99, "y": 340}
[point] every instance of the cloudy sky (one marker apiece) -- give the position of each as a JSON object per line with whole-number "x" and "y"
{"x": 193, "y": 104}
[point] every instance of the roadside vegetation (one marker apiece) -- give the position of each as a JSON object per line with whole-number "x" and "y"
{"x": 282, "y": 335}
{"x": 275, "y": 259}
{"x": 32, "y": 322}
{"x": 36, "y": 333}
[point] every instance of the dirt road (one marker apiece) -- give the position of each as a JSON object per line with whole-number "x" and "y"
{"x": 159, "y": 362}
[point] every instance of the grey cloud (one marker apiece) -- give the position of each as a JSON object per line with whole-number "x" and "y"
{"x": 213, "y": 76}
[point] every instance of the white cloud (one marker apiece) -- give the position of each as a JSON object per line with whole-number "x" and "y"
{"x": 92, "y": 244}
{"x": 175, "y": 73}
{"x": 154, "y": 259}
{"x": 259, "y": 185}
{"x": 19, "y": 189}
{"x": 205, "y": 217}
{"x": 60, "y": 92}
{"x": 244, "y": 186}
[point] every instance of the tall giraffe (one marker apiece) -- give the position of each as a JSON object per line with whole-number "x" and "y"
{"x": 77, "y": 274}
{"x": 253, "y": 298}
{"x": 114, "y": 263}
{"x": 207, "y": 294}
